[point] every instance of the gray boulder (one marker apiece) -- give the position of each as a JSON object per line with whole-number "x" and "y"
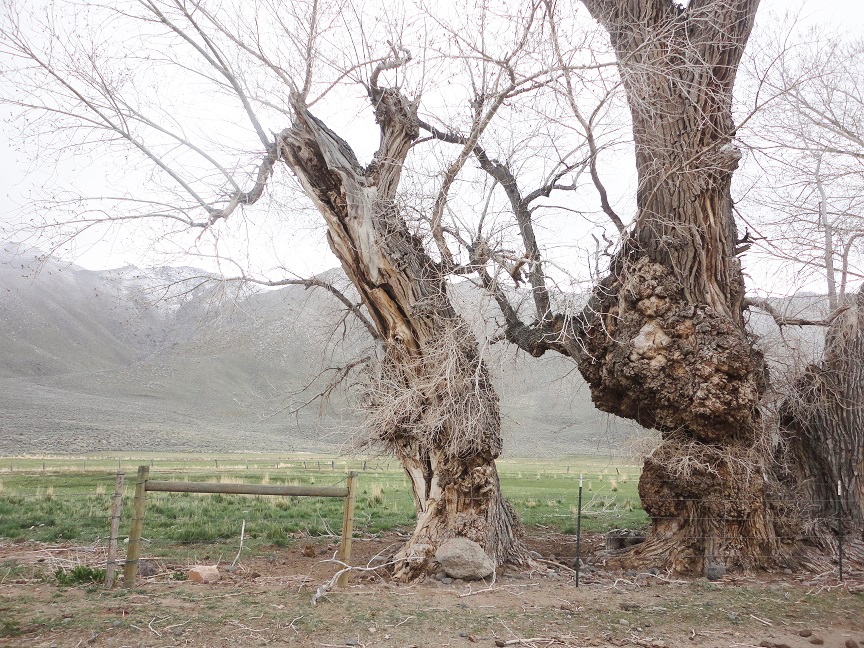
{"x": 714, "y": 571}
{"x": 622, "y": 538}
{"x": 465, "y": 559}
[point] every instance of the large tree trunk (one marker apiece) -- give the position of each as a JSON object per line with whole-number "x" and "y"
{"x": 822, "y": 421}
{"x": 665, "y": 343}
{"x": 430, "y": 401}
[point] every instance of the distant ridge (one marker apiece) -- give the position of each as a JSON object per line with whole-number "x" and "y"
{"x": 172, "y": 359}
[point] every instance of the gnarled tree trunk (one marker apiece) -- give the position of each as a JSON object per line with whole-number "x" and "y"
{"x": 665, "y": 343}
{"x": 431, "y": 401}
{"x": 823, "y": 422}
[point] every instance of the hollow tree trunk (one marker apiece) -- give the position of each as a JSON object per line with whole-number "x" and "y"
{"x": 431, "y": 400}
{"x": 823, "y": 423}
{"x": 665, "y": 343}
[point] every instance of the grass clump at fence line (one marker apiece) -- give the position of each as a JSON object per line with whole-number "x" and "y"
{"x": 62, "y": 504}
{"x": 78, "y": 575}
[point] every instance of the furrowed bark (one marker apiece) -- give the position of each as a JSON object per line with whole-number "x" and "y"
{"x": 822, "y": 421}
{"x": 664, "y": 336}
{"x": 431, "y": 401}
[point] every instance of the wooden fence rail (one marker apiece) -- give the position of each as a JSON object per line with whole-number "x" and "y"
{"x": 144, "y": 484}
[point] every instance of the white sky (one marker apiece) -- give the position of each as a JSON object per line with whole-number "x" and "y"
{"x": 308, "y": 252}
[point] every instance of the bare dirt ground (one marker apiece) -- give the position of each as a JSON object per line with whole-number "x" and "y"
{"x": 267, "y": 600}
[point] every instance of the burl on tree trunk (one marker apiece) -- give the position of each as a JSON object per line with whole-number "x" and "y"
{"x": 430, "y": 399}
{"x": 664, "y": 336}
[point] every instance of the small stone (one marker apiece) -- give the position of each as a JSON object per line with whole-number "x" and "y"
{"x": 309, "y": 551}
{"x": 782, "y": 645}
{"x": 766, "y": 644}
{"x": 714, "y": 572}
{"x": 465, "y": 559}
{"x": 787, "y": 571}
{"x": 352, "y": 642}
{"x": 623, "y": 622}
{"x": 629, "y": 607}
{"x": 203, "y": 574}
{"x": 805, "y": 633}
{"x": 851, "y": 643}
{"x": 147, "y": 568}
{"x": 500, "y": 642}
{"x": 446, "y": 580}
{"x": 817, "y": 641}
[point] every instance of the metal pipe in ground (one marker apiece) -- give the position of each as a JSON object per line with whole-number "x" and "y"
{"x": 578, "y": 530}
{"x": 840, "y": 527}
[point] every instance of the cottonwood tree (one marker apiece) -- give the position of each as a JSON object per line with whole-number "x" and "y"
{"x": 663, "y": 339}
{"x": 429, "y": 397}
{"x": 810, "y": 144}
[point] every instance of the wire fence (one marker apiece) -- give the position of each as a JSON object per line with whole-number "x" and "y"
{"x": 69, "y": 502}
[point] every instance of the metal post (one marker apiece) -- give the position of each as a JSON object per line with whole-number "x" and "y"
{"x": 578, "y": 530}
{"x": 347, "y": 527}
{"x": 116, "y": 511}
{"x": 130, "y": 569}
{"x": 840, "y": 527}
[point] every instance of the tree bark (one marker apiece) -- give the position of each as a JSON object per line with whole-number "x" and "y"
{"x": 430, "y": 399}
{"x": 822, "y": 421}
{"x": 664, "y": 336}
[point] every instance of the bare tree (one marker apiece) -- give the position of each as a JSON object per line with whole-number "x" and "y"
{"x": 429, "y": 397}
{"x": 663, "y": 339}
{"x": 809, "y": 143}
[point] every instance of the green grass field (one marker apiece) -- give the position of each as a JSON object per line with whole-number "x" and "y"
{"x": 53, "y": 499}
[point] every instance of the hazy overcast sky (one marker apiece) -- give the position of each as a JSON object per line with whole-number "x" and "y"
{"x": 846, "y": 15}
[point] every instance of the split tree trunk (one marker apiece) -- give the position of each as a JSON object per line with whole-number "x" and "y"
{"x": 823, "y": 423}
{"x": 665, "y": 343}
{"x": 431, "y": 400}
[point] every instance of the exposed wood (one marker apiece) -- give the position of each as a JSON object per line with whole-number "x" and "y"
{"x": 245, "y": 489}
{"x": 430, "y": 399}
{"x": 347, "y": 528}
{"x": 133, "y": 552}
{"x": 116, "y": 511}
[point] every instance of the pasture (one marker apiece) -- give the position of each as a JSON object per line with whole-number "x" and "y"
{"x": 54, "y": 515}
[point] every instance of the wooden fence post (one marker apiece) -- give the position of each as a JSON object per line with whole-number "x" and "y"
{"x": 116, "y": 510}
{"x": 130, "y": 569}
{"x": 347, "y": 527}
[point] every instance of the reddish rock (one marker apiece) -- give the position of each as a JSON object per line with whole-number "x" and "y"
{"x": 203, "y": 574}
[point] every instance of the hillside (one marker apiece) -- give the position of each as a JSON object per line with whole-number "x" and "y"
{"x": 172, "y": 359}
